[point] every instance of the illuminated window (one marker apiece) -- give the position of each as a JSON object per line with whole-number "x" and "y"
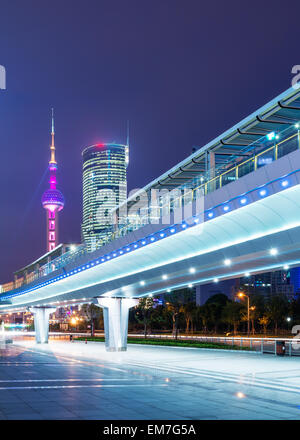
{"x": 51, "y": 236}
{"x": 52, "y": 225}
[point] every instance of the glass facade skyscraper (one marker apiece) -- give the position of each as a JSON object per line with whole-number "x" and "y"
{"x": 104, "y": 188}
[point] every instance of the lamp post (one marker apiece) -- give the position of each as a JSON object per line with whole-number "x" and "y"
{"x": 242, "y": 295}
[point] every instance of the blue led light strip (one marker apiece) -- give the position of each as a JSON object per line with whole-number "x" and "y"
{"x": 164, "y": 233}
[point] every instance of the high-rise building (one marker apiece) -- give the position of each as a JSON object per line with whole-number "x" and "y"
{"x": 295, "y": 279}
{"x": 52, "y": 199}
{"x": 104, "y": 188}
{"x": 278, "y": 282}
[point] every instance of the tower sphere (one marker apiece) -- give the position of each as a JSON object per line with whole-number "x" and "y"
{"x": 53, "y": 199}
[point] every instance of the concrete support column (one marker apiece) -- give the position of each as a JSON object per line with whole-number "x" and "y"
{"x": 115, "y": 313}
{"x": 41, "y": 323}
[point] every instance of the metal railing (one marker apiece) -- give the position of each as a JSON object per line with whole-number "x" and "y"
{"x": 208, "y": 184}
{"x": 265, "y": 345}
{"x": 275, "y": 346}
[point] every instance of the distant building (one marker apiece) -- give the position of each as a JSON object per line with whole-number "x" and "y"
{"x": 104, "y": 188}
{"x": 279, "y": 282}
{"x": 295, "y": 279}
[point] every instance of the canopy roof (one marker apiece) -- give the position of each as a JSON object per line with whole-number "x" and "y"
{"x": 235, "y": 144}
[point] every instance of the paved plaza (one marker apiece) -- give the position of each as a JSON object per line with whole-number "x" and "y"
{"x": 65, "y": 380}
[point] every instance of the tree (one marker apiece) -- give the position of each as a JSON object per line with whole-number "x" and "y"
{"x": 144, "y": 311}
{"x": 218, "y": 298}
{"x": 232, "y": 314}
{"x": 294, "y": 310}
{"x": 158, "y": 317}
{"x": 91, "y": 313}
{"x": 188, "y": 313}
{"x": 277, "y": 308}
{"x": 264, "y": 321}
{"x": 216, "y": 304}
{"x": 257, "y": 309}
{"x": 205, "y": 314}
{"x": 197, "y": 321}
{"x": 174, "y": 303}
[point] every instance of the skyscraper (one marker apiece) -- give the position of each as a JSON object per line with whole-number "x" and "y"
{"x": 104, "y": 188}
{"x": 52, "y": 199}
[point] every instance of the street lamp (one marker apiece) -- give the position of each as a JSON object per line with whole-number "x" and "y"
{"x": 242, "y": 295}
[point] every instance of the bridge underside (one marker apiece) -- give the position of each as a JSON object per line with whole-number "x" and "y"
{"x": 245, "y": 236}
{"x": 234, "y": 241}
{"x": 225, "y": 247}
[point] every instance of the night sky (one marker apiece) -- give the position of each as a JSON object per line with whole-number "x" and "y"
{"x": 182, "y": 72}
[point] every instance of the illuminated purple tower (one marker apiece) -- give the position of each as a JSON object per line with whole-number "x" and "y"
{"x": 52, "y": 199}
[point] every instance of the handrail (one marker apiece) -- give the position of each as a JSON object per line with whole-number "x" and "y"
{"x": 208, "y": 183}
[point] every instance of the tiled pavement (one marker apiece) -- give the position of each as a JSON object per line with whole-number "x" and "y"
{"x": 64, "y": 380}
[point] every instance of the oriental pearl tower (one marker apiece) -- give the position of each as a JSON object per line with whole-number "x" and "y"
{"x": 52, "y": 200}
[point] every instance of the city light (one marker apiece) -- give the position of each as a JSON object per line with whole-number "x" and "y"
{"x": 271, "y": 136}
{"x": 227, "y": 262}
{"x": 263, "y": 192}
{"x": 192, "y": 270}
{"x": 273, "y": 251}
